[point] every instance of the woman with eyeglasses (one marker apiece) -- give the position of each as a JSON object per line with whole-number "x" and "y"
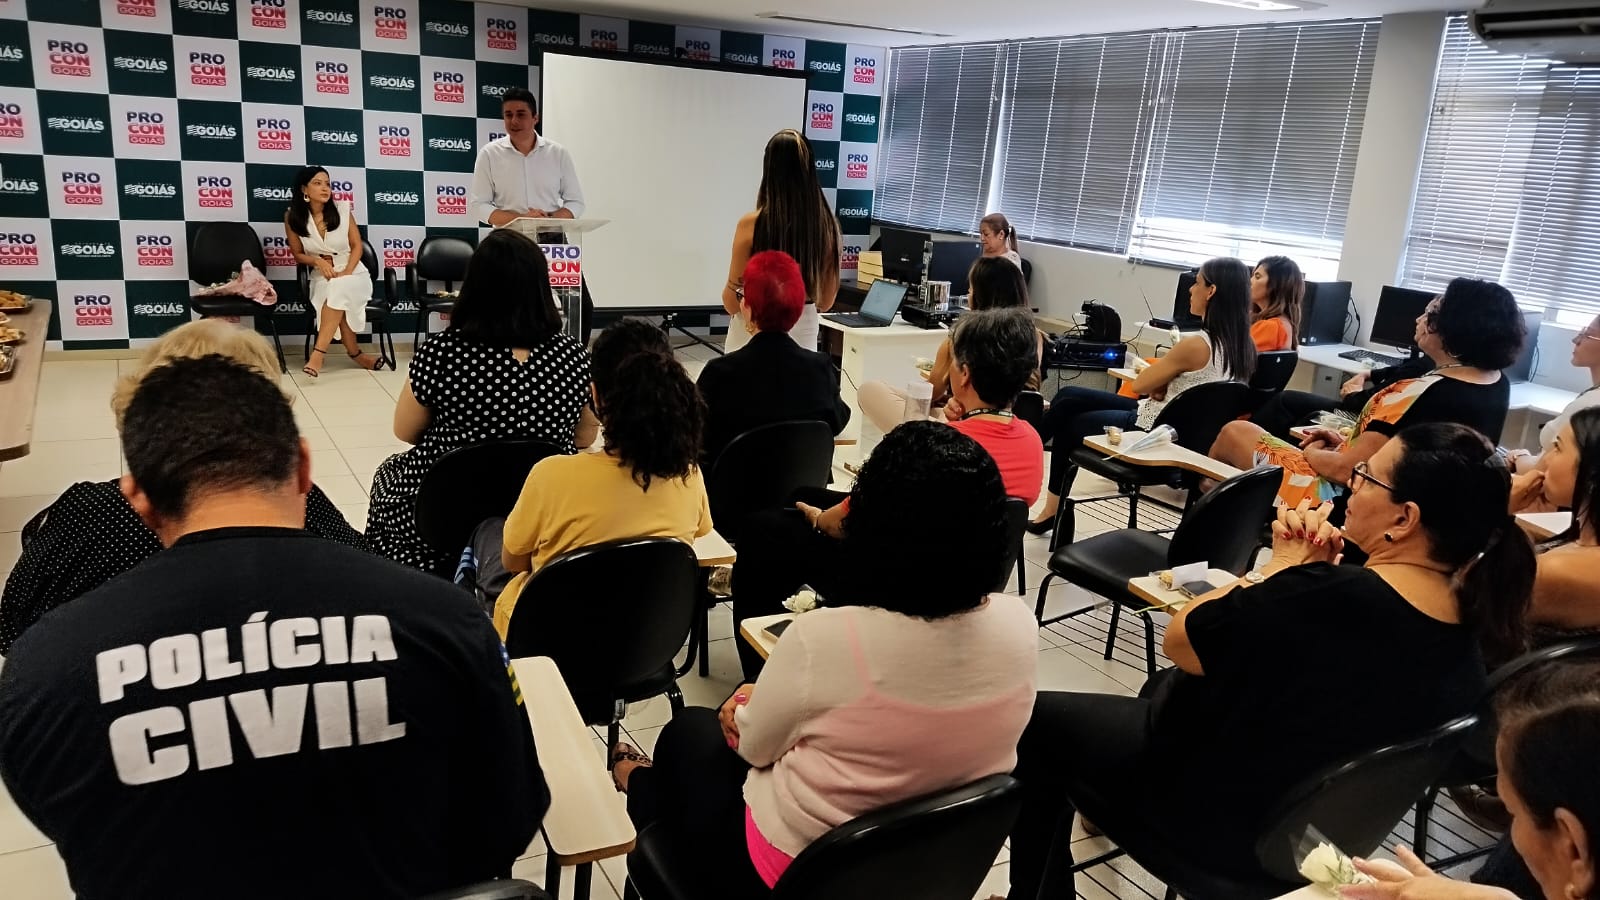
{"x": 1296, "y": 667}
{"x": 1471, "y": 332}
{"x": 1527, "y": 494}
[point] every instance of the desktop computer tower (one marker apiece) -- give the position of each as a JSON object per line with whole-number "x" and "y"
{"x": 1323, "y": 311}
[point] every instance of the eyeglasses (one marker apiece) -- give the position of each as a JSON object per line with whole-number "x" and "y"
{"x": 1363, "y": 472}
{"x": 1585, "y": 336}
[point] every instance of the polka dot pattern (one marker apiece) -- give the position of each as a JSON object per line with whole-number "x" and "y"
{"x": 475, "y": 393}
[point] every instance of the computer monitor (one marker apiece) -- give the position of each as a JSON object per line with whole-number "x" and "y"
{"x": 902, "y": 253}
{"x": 1394, "y": 322}
{"x": 951, "y": 262}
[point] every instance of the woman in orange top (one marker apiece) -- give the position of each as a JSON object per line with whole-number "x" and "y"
{"x": 1276, "y": 288}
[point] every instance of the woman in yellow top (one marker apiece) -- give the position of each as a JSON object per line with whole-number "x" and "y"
{"x": 645, "y": 483}
{"x": 1276, "y": 291}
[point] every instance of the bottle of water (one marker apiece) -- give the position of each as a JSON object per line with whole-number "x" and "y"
{"x": 919, "y": 400}
{"x": 1161, "y": 434}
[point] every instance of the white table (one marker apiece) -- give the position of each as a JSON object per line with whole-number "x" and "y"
{"x": 1161, "y": 455}
{"x": 713, "y": 550}
{"x": 888, "y": 354}
{"x": 588, "y": 819}
{"x": 755, "y": 633}
{"x": 1543, "y": 526}
{"x": 1150, "y": 589}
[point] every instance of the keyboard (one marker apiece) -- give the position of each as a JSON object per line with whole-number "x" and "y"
{"x": 1378, "y": 360}
{"x": 855, "y": 320}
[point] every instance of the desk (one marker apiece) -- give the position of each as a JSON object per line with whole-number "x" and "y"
{"x": 1150, "y": 589}
{"x": 1168, "y": 455}
{"x": 713, "y": 550}
{"x": 1543, "y": 526}
{"x": 887, "y": 354}
{"x": 1124, "y": 374}
{"x": 754, "y": 631}
{"x": 19, "y": 391}
{"x": 588, "y": 819}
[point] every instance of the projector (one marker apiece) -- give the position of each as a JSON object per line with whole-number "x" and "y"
{"x": 1072, "y": 353}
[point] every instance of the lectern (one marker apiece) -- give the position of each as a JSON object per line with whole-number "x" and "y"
{"x": 562, "y": 243}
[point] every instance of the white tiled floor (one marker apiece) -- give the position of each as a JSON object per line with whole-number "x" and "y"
{"x": 345, "y": 415}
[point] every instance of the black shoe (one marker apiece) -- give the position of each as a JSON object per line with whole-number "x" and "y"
{"x": 1043, "y": 527}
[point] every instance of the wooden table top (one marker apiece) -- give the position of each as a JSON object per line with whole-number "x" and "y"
{"x": 19, "y": 392}
{"x": 1167, "y": 454}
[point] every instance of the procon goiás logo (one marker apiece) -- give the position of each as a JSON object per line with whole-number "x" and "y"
{"x": 214, "y": 191}
{"x": 394, "y": 140}
{"x": 159, "y": 309}
{"x": 12, "y": 123}
{"x": 604, "y": 39}
{"x": 92, "y": 310}
{"x": 150, "y": 190}
{"x": 208, "y": 69}
{"x": 211, "y": 132}
{"x": 148, "y": 129}
{"x": 826, "y": 67}
{"x": 396, "y": 198}
{"x": 89, "y": 250}
{"x": 398, "y": 252}
{"x": 143, "y": 9}
{"x": 19, "y": 249}
{"x": 336, "y": 138}
{"x": 274, "y": 74}
{"x": 154, "y": 251}
{"x": 275, "y": 248}
{"x": 272, "y": 193}
{"x": 824, "y": 164}
{"x": 448, "y": 29}
{"x": 82, "y": 189}
{"x": 274, "y": 134}
{"x": 500, "y": 34}
{"x": 697, "y": 49}
{"x": 861, "y": 118}
{"x": 460, "y": 145}
{"x": 449, "y": 87}
{"x": 332, "y": 77}
{"x": 450, "y": 200}
{"x": 69, "y": 58}
{"x": 865, "y": 70}
{"x": 855, "y": 166}
{"x": 76, "y": 124}
{"x": 144, "y": 65}
{"x": 206, "y": 7}
{"x": 389, "y": 23}
{"x": 784, "y": 58}
{"x": 25, "y": 187}
{"x": 269, "y": 14}
{"x": 329, "y": 17}
{"x": 854, "y": 212}
{"x": 343, "y": 191}
{"x": 822, "y": 116}
{"x": 850, "y": 258}
{"x": 554, "y": 40}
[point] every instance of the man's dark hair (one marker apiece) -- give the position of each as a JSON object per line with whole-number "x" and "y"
{"x": 924, "y": 474}
{"x": 1000, "y": 348}
{"x": 207, "y": 424}
{"x": 506, "y": 299}
{"x": 520, "y": 95}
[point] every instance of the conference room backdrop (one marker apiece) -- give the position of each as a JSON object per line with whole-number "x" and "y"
{"x": 125, "y": 124}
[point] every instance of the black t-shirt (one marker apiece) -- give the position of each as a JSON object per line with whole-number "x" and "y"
{"x": 1313, "y": 666}
{"x": 1445, "y": 399}
{"x": 257, "y": 712}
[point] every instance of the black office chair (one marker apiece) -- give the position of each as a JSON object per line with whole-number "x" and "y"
{"x": 378, "y": 306}
{"x": 1223, "y": 528}
{"x": 1273, "y": 371}
{"x": 938, "y": 847}
{"x": 1197, "y": 415}
{"x": 503, "y": 889}
{"x": 759, "y": 470}
{"x": 438, "y": 259}
{"x": 1475, "y": 761}
{"x": 1016, "y": 526}
{"x": 470, "y": 484}
{"x": 612, "y": 616}
{"x": 1029, "y": 407}
{"x": 1354, "y": 804}
{"x": 215, "y": 255}
{"x": 1027, "y": 273}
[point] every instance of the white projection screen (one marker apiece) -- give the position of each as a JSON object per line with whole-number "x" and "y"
{"x": 672, "y": 156}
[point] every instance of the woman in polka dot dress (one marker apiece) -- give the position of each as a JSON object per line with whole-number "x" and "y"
{"x": 503, "y": 369}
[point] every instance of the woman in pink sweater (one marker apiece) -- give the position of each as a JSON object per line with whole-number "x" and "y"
{"x": 910, "y": 682}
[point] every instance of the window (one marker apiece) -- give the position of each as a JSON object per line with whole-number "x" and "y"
{"x": 937, "y": 150}
{"x": 1508, "y": 189}
{"x": 1075, "y": 135}
{"x": 1254, "y": 145}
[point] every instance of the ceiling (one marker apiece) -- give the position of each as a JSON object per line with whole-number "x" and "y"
{"x": 970, "y": 20}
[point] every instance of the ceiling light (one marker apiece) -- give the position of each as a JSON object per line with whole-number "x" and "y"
{"x": 1260, "y": 5}
{"x": 784, "y": 17}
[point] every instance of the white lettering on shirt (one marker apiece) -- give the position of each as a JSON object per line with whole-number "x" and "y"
{"x": 119, "y": 668}
{"x": 130, "y": 746}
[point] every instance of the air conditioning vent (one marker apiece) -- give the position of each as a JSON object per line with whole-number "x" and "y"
{"x": 1552, "y": 29}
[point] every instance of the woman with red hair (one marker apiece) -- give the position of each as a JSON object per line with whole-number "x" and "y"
{"x": 771, "y": 378}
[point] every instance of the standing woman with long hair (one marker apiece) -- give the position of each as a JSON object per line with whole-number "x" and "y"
{"x": 791, "y": 215}
{"x": 323, "y": 235}
{"x": 1276, "y": 291}
{"x": 1221, "y": 351}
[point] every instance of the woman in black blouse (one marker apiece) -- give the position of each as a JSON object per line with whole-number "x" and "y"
{"x": 90, "y": 534}
{"x": 1298, "y": 666}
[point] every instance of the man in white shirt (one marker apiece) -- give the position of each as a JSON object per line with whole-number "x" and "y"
{"x": 526, "y": 174}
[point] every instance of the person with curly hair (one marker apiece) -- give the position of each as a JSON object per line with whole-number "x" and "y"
{"x": 1471, "y": 332}
{"x": 863, "y": 703}
{"x": 646, "y": 481}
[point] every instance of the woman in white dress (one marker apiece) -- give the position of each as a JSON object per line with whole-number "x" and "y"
{"x": 322, "y": 235}
{"x": 791, "y": 215}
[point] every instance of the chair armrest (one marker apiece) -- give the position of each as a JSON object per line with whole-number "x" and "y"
{"x": 413, "y": 286}
{"x": 391, "y": 286}
{"x": 302, "y": 275}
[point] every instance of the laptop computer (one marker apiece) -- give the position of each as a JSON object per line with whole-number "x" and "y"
{"x": 877, "y": 310}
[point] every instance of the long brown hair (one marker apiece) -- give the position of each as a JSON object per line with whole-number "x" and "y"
{"x": 792, "y": 213}
{"x": 1286, "y": 291}
{"x": 1000, "y": 225}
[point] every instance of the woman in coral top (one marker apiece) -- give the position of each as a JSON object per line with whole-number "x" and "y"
{"x": 1276, "y": 289}
{"x": 864, "y": 702}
